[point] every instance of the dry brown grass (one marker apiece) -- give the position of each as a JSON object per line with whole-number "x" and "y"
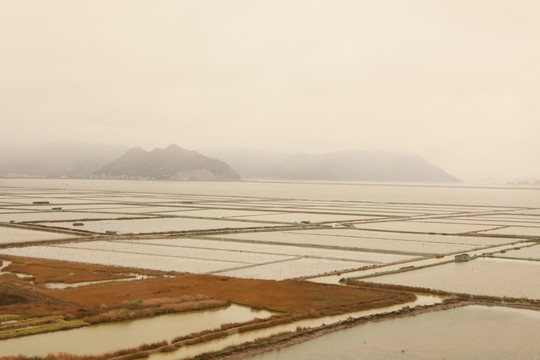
{"x": 293, "y": 299}
{"x": 289, "y": 296}
{"x": 45, "y": 271}
{"x": 154, "y": 307}
{"x": 283, "y": 296}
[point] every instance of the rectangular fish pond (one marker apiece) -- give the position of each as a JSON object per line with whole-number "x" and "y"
{"x": 471, "y": 332}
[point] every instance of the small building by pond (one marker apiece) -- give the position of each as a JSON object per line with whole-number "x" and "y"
{"x": 463, "y": 258}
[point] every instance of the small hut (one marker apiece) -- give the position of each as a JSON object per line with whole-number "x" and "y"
{"x": 463, "y": 258}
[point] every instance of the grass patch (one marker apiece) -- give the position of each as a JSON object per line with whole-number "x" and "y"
{"x": 37, "y": 325}
{"x": 8, "y": 317}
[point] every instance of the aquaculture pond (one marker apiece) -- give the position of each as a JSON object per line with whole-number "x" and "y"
{"x": 529, "y": 253}
{"x": 10, "y": 235}
{"x": 108, "y": 337}
{"x": 384, "y": 253}
{"x": 516, "y": 230}
{"x": 472, "y": 332}
{"x": 397, "y": 235}
{"x": 247, "y": 248}
{"x": 423, "y": 226}
{"x": 117, "y": 258}
{"x": 157, "y": 225}
{"x": 253, "y": 229}
{"x": 56, "y": 216}
{"x": 239, "y": 338}
{"x": 496, "y": 277}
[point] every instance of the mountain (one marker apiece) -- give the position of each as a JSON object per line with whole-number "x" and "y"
{"x": 248, "y": 163}
{"x": 171, "y": 163}
{"x": 79, "y": 160}
{"x": 358, "y": 166}
{"x": 56, "y": 160}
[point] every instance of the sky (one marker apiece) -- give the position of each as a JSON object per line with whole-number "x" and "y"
{"x": 453, "y": 81}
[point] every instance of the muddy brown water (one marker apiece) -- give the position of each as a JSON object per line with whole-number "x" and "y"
{"x": 109, "y": 337}
{"x": 472, "y": 332}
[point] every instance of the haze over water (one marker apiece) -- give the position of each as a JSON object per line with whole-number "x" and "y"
{"x": 345, "y": 191}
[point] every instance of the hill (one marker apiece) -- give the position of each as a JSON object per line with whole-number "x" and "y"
{"x": 358, "y": 166}
{"x": 248, "y": 163}
{"x": 171, "y": 163}
{"x": 65, "y": 159}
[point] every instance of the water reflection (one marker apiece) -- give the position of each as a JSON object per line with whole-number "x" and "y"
{"x": 239, "y": 338}
{"x": 472, "y": 332}
{"x": 127, "y": 334}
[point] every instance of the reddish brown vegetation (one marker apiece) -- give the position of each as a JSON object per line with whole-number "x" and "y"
{"x": 294, "y": 299}
{"x": 139, "y": 308}
{"x": 30, "y": 303}
{"x": 180, "y": 293}
{"x": 10, "y": 299}
{"x": 45, "y": 271}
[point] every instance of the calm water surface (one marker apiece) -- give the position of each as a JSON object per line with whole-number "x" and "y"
{"x": 108, "y": 337}
{"x": 496, "y": 277}
{"x": 240, "y": 338}
{"x": 458, "y": 194}
{"x": 472, "y": 332}
{"x": 465, "y": 333}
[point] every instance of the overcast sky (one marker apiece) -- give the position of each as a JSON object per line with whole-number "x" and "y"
{"x": 456, "y": 82}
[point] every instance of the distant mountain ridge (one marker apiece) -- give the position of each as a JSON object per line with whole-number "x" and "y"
{"x": 79, "y": 160}
{"x": 248, "y": 163}
{"x": 332, "y": 166}
{"x": 63, "y": 159}
{"x": 358, "y": 166}
{"x": 171, "y": 163}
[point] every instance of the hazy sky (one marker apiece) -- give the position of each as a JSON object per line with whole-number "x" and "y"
{"x": 456, "y": 82}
